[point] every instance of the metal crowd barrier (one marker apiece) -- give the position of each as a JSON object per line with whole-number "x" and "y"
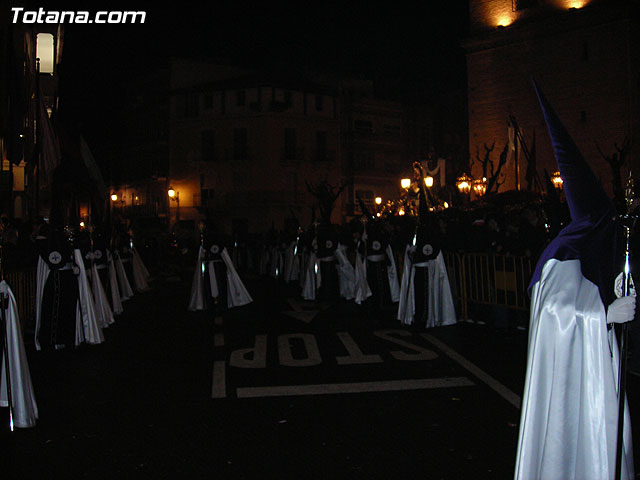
{"x": 488, "y": 279}
{"x": 23, "y": 285}
{"x": 478, "y": 278}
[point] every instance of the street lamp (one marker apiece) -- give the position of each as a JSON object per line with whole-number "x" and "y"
{"x": 428, "y": 181}
{"x": 405, "y": 183}
{"x": 114, "y": 197}
{"x": 464, "y": 183}
{"x": 556, "y": 179}
{"x": 175, "y": 196}
{"x": 480, "y": 186}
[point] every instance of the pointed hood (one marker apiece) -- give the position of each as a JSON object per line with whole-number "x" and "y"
{"x": 591, "y": 235}
{"x": 583, "y": 191}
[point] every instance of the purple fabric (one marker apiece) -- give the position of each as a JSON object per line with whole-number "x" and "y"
{"x": 591, "y": 235}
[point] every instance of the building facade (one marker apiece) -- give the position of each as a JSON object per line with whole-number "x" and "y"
{"x": 582, "y": 53}
{"x": 244, "y": 148}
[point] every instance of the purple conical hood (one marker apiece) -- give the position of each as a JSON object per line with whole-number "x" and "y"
{"x": 583, "y": 191}
{"x": 591, "y": 235}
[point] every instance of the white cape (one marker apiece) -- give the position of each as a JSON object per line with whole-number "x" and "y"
{"x": 346, "y": 274}
{"x": 441, "y": 310}
{"x": 311, "y": 274}
{"x": 362, "y": 290}
{"x": 25, "y": 408}
{"x": 87, "y": 324}
{"x": 125, "y": 287}
{"x": 569, "y": 412}
{"x": 103, "y": 310}
{"x": 237, "y": 294}
{"x": 392, "y": 275}
{"x": 116, "y": 302}
{"x": 196, "y": 300}
{"x": 86, "y": 311}
{"x": 140, "y": 273}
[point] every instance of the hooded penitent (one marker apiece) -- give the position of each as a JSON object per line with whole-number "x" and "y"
{"x": 590, "y": 236}
{"x": 568, "y": 426}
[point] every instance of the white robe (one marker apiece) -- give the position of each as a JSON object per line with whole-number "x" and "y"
{"x": 311, "y": 278}
{"x": 103, "y": 310}
{"x": 116, "y": 302}
{"x": 140, "y": 273}
{"x": 196, "y": 300}
{"x": 25, "y": 408}
{"x": 126, "y": 292}
{"x": 88, "y": 329}
{"x": 569, "y": 415}
{"x": 237, "y": 294}
{"x": 441, "y": 310}
{"x": 362, "y": 291}
{"x": 86, "y": 309}
{"x": 346, "y": 273}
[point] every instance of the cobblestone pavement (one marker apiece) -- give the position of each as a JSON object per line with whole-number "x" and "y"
{"x": 281, "y": 388}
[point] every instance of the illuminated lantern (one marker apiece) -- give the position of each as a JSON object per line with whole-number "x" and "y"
{"x": 479, "y": 186}
{"x": 405, "y": 183}
{"x": 464, "y": 183}
{"x": 556, "y": 179}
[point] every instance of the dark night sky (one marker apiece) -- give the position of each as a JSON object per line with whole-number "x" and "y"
{"x": 402, "y": 46}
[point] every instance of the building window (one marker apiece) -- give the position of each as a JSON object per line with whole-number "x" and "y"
{"x": 364, "y": 161}
{"x": 208, "y": 142}
{"x": 290, "y": 143}
{"x": 392, "y": 129}
{"x": 366, "y": 196}
{"x": 241, "y": 98}
{"x": 206, "y": 197}
{"x": 365, "y": 126}
{"x": 45, "y": 52}
{"x": 193, "y": 105}
{"x": 240, "y": 147}
{"x": 208, "y": 101}
{"x": 319, "y": 103}
{"x": 321, "y": 147}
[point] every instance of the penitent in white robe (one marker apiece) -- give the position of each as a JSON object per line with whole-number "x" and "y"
{"x": 441, "y": 310}
{"x": 25, "y": 408}
{"x": 569, "y": 415}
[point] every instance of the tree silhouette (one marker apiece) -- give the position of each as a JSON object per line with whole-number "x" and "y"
{"x": 326, "y": 196}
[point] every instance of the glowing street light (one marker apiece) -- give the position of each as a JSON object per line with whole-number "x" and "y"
{"x": 175, "y": 196}
{"x": 405, "y": 183}
{"x": 556, "y": 179}
{"x": 480, "y": 186}
{"x": 378, "y": 200}
{"x": 464, "y": 183}
{"x": 114, "y": 197}
{"x": 428, "y": 181}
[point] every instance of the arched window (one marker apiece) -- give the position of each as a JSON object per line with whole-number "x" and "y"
{"x": 44, "y": 51}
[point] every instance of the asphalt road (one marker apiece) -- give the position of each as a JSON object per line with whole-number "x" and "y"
{"x": 280, "y": 388}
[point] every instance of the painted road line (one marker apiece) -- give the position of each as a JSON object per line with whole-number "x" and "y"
{"x": 503, "y": 391}
{"x": 363, "y": 387}
{"x": 219, "y": 383}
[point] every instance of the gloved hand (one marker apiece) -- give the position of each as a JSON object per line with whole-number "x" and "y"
{"x": 622, "y": 310}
